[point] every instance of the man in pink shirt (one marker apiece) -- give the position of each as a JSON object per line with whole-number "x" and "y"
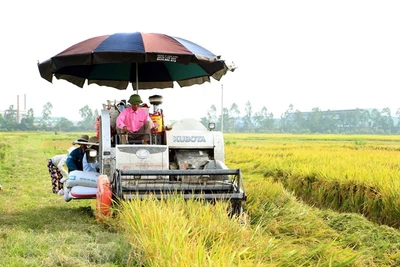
{"x": 135, "y": 120}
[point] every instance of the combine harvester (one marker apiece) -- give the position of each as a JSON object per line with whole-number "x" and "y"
{"x": 186, "y": 159}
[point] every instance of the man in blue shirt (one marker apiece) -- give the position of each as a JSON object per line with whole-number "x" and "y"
{"x": 74, "y": 160}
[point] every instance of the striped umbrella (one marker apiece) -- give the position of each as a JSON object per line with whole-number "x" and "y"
{"x": 146, "y": 60}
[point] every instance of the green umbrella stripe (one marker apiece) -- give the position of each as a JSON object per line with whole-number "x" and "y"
{"x": 180, "y": 72}
{"x": 114, "y": 71}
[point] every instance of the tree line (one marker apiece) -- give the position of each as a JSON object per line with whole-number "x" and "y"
{"x": 354, "y": 121}
{"x": 9, "y": 121}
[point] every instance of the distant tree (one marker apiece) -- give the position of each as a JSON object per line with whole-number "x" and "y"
{"x": 46, "y": 116}
{"x": 365, "y": 122}
{"x": 398, "y": 112}
{"x": 376, "y": 118}
{"x": 287, "y": 120}
{"x": 299, "y": 123}
{"x": 398, "y": 120}
{"x": 387, "y": 123}
{"x": 27, "y": 122}
{"x": 234, "y": 117}
{"x": 314, "y": 120}
{"x": 329, "y": 122}
{"x": 2, "y": 123}
{"x": 247, "y": 118}
{"x": 10, "y": 117}
{"x": 351, "y": 121}
{"x": 263, "y": 121}
{"x": 357, "y": 121}
{"x": 64, "y": 125}
{"x": 88, "y": 119}
{"x": 226, "y": 119}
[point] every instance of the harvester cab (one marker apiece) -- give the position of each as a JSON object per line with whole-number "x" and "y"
{"x": 184, "y": 158}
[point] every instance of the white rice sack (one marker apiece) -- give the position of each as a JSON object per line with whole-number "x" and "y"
{"x": 81, "y": 178}
{"x": 83, "y": 192}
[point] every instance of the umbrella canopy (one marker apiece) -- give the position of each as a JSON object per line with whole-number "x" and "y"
{"x": 146, "y": 60}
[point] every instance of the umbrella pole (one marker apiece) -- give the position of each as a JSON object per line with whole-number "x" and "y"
{"x": 137, "y": 79}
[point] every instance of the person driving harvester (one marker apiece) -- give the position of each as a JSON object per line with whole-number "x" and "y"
{"x": 135, "y": 121}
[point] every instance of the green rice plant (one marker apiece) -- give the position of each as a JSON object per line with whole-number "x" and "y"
{"x": 229, "y": 142}
{"x": 360, "y": 142}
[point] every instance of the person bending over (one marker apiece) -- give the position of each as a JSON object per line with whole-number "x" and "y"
{"x": 56, "y": 170}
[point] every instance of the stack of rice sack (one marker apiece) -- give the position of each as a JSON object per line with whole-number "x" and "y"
{"x": 80, "y": 184}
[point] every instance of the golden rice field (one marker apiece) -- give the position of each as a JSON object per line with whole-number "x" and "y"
{"x": 313, "y": 200}
{"x": 347, "y": 173}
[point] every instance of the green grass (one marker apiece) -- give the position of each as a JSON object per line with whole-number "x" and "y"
{"x": 38, "y": 228}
